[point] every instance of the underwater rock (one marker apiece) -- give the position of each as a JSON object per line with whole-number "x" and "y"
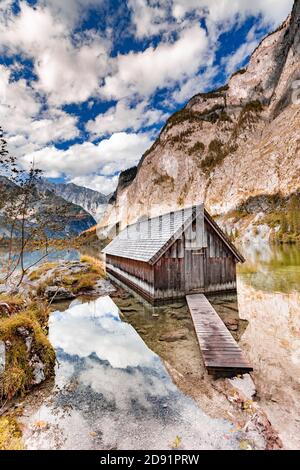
{"x": 173, "y": 336}
{"x": 244, "y": 384}
{"x": 103, "y": 287}
{"x": 232, "y": 325}
{"x": 179, "y": 315}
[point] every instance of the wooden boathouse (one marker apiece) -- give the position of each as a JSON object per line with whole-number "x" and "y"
{"x": 183, "y": 254}
{"x": 172, "y": 255}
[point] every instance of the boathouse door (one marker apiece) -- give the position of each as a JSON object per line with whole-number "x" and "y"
{"x": 195, "y": 262}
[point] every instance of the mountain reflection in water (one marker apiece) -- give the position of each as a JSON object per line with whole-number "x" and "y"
{"x": 269, "y": 298}
{"x": 112, "y": 391}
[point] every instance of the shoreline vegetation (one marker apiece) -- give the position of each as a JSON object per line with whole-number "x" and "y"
{"x": 277, "y": 217}
{"x": 29, "y": 357}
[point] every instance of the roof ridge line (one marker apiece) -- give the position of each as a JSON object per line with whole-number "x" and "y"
{"x": 164, "y": 214}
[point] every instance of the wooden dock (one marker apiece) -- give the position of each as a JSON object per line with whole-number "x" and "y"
{"x": 221, "y": 354}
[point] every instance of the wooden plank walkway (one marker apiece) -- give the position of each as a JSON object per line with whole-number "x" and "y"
{"x": 221, "y": 354}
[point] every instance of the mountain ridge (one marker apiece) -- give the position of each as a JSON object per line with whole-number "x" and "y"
{"x": 90, "y": 200}
{"x": 75, "y": 218}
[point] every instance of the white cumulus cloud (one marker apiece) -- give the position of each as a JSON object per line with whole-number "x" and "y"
{"x": 103, "y": 184}
{"x": 72, "y": 66}
{"x": 87, "y": 161}
{"x": 124, "y": 116}
{"x": 68, "y": 70}
{"x": 152, "y": 17}
{"x": 24, "y": 120}
{"x": 144, "y": 72}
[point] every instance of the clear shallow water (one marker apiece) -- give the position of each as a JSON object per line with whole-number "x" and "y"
{"x": 111, "y": 391}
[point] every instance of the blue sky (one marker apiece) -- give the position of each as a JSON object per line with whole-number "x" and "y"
{"x": 86, "y": 85}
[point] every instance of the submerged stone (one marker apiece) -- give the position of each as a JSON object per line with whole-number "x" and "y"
{"x": 245, "y": 385}
{"x": 37, "y": 369}
{"x": 173, "y": 336}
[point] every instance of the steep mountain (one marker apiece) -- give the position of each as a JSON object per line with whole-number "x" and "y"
{"x": 236, "y": 148}
{"x": 90, "y": 200}
{"x": 64, "y": 219}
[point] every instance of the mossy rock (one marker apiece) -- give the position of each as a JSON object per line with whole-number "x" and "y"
{"x": 74, "y": 281}
{"x": 25, "y": 337}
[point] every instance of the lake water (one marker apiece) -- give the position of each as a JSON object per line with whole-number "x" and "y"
{"x": 112, "y": 392}
{"x": 269, "y": 298}
{"x": 272, "y": 268}
{"x": 112, "y": 387}
{"x": 33, "y": 257}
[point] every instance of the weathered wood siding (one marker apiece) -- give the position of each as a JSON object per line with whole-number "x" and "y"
{"x": 186, "y": 267}
{"x": 137, "y": 274}
{"x": 169, "y": 272}
{"x": 220, "y": 264}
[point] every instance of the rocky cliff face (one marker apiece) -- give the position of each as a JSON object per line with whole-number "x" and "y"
{"x": 91, "y": 201}
{"x": 238, "y": 142}
{"x": 125, "y": 178}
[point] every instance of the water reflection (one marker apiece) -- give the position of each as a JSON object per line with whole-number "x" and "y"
{"x": 112, "y": 391}
{"x": 272, "y": 268}
{"x": 269, "y": 298}
{"x": 120, "y": 345}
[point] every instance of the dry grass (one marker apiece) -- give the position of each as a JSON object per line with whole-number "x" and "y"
{"x": 197, "y": 148}
{"x": 87, "y": 282}
{"x": 77, "y": 282}
{"x": 247, "y": 269}
{"x": 180, "y": 200}
{"x": 43, "y": 269}
{"x": 162, "y": 180}
{"x": 12, "y": 299}
{"x": 17, "y": 377}
{"x": 96, "y": 265}
{"x": 217, "y": 152}
{"x": 14, "y": 302}
{"x": 10, "y": 434}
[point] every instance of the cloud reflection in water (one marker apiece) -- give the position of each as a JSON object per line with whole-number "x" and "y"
{"x": 113, "y": 391}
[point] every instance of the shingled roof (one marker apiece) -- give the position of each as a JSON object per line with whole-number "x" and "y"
{"x": 148, "y": 239}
